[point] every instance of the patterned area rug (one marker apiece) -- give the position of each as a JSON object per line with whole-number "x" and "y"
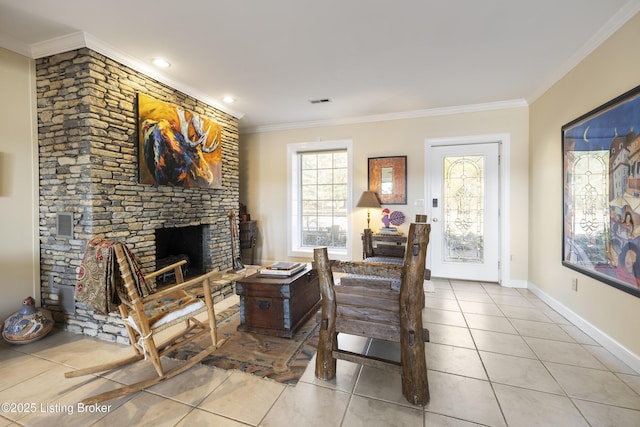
{"x": 281, "y": 359}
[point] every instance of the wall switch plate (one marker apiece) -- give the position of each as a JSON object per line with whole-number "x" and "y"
{"x": 574, "y": 285}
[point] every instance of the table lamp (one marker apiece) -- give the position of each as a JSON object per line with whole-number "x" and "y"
{"x": 368, "y": 200}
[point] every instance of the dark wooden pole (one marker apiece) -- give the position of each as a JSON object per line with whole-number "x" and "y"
{"x": 367, "y": 243}
{"x": 328, "y": 338}
{"x": 415, "y": 384}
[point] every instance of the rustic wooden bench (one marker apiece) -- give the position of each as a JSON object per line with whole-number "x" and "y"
{"x": 380, "y": 301}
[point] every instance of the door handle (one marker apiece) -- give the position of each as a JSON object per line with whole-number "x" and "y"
{"x": 434, "y": 220}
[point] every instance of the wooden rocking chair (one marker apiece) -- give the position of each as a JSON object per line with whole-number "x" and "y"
{"x": 146, "y": 316}
{"x": 380, "y": 301}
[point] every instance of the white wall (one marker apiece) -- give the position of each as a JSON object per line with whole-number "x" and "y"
{"x": 263, "y": 172}
{"x": 609, "y": 71}
{"x": 19, "y": 251}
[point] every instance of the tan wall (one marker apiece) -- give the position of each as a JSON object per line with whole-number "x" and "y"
{"x": 609, "y": 71}
{"x": 19, "y": 260}
{"x": 263, "y": 171}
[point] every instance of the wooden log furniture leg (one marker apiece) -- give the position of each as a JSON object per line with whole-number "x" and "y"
{"x": 368, "y": 303}
{"x": 415, "y": 385}
{"x": 328, "y": 338}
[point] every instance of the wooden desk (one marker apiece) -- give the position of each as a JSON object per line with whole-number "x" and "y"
{"x": 389, "y": 245}
{"x": 277, "y": 305}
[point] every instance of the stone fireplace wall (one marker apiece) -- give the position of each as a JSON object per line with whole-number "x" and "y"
{"x": 88, "y": 163}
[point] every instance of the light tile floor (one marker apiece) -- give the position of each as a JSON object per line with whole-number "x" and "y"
{"x": 497, "y": 357}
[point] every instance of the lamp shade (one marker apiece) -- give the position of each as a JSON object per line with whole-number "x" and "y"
{"x": 369, "y": 199}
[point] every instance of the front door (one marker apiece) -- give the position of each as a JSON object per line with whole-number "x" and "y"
{"x": 464, "y": 209}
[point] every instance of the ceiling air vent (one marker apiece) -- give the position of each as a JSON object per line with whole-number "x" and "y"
{"x": 64, "y": 224}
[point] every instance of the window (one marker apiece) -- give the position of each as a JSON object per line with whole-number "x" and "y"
{"x": 319, "y": 198}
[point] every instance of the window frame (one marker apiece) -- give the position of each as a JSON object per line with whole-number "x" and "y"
{"x": 294, "y": 246}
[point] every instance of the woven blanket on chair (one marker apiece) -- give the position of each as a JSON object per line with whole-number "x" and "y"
{"x": 99, "y": 284}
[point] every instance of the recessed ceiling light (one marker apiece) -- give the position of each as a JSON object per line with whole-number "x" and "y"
{"x": 162, "y": 63}
{"x": 229, "y": 99}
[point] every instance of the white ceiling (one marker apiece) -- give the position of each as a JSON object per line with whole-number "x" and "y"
{"x": 373, "y": 59}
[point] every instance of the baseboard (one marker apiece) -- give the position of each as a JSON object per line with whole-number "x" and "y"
{"x": 617, "y": 349}
{"x": 522, "y": 284}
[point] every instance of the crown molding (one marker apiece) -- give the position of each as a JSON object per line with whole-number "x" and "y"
{"x": 81, "y": 39}
{"x": 432, "y": 112}
{"x": 14, "y": 45}
{"x": 58, "y": 45}
{"x": 627, "y": 12}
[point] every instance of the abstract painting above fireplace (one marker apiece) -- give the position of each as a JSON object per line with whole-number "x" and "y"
{"x": 177, "y": 147}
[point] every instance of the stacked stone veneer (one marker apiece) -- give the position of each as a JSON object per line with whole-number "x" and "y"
{"x": 88, "y": 161}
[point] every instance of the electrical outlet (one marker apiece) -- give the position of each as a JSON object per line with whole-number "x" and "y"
{"x": 574, "y": 284}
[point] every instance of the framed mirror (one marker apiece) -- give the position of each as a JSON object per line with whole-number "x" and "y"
{"x": 388, "y": 179}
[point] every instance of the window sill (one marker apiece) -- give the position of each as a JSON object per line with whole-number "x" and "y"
{"x": 339, "y": 254}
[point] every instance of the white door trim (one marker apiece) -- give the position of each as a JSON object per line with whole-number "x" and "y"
{"x": 504, "y": 141}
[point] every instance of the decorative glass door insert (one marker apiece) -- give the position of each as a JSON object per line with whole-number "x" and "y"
{"x": 463, "y": 210}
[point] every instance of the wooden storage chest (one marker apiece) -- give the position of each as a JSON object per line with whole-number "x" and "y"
{"x": 277, "y": 305}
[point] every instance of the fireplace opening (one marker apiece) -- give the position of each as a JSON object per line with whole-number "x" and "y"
{"x": 178, "y": 243}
